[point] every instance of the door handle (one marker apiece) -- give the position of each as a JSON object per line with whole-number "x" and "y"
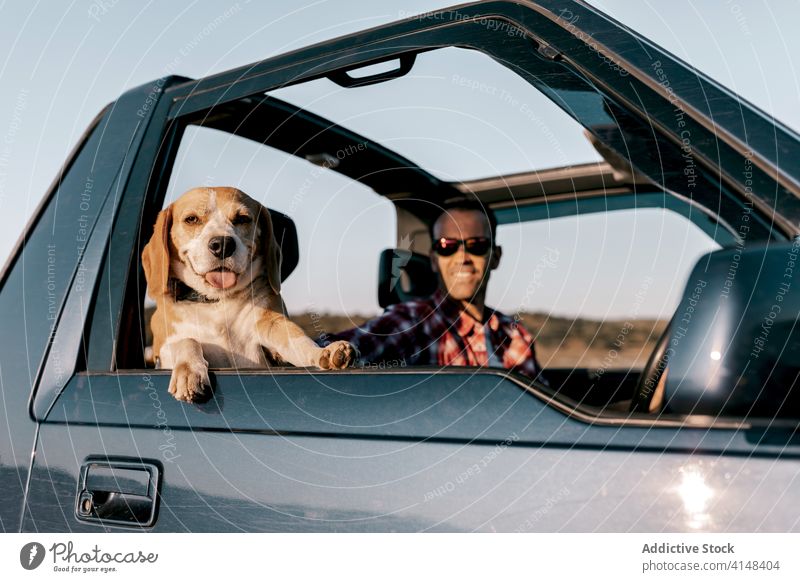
{"x": 118, "y": 492}
{"x": 344, "y": 79}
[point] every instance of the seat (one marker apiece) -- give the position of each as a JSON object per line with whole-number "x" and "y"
{"x": 286, "y": 235}
{"x": 404, "y": 276}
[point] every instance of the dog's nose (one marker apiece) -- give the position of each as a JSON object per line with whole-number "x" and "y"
{"x": 222, "y": 246}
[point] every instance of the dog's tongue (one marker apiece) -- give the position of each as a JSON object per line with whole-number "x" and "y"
{"x": 221, "y": 279}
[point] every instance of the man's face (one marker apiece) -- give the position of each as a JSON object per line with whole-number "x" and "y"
{"x": 463, "y": 275}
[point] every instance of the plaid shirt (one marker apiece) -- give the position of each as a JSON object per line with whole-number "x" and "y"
{"x": 437, "y": 331}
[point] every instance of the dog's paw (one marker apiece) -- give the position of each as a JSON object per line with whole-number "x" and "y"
{"x": 189, "y": 381}
{"x": 338, "y": 355}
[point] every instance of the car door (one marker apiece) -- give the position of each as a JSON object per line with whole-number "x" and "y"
{"x": 397, "y": 449}
{"x": 49, "y": 262}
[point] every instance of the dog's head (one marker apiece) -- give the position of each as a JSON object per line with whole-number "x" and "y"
{"x": 215, "y": 240}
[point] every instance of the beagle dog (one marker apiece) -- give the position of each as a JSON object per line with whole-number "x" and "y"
{"x": 213, "y": 267}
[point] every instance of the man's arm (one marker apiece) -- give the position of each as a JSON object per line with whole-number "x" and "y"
{"x": 391, "y": 336}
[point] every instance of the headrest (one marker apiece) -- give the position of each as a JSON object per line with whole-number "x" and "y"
{"x": 404, "y": 276}
{"x": 286, "y": 235}
{"x": 735, "y": 340}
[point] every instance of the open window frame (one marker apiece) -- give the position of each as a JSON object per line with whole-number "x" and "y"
{"x": 564, "y": 68}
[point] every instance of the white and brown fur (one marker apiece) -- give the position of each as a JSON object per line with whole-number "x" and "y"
{"x": 235, "y": 324}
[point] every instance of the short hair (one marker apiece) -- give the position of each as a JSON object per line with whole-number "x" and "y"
{"x": 464, "y": 204}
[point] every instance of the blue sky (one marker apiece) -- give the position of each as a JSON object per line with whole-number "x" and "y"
{"x": 62, "y": 62}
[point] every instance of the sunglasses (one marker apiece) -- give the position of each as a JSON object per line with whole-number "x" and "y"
{"x": 477, "y": 245}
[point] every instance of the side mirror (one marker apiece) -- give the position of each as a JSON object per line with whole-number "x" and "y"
{"x": 735, "y": 340}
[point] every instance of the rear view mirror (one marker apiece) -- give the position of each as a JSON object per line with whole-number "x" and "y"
{"x": 735, "y": 340}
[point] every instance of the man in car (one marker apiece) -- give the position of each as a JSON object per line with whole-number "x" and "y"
{"x": 453, "y": 327}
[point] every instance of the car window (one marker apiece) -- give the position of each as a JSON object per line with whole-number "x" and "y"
{"x": 458, "y": 114}
{"x": 597, "y": 289}
{"x": 342, "y": 225}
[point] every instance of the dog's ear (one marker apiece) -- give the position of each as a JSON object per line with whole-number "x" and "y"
{"x": 270, "y": 250}
{"x": 155, "y": 256}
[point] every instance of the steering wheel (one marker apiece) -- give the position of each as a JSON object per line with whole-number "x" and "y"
{"x": 652, "y": 373}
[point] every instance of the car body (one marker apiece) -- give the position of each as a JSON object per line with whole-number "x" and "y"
{"x": 96, "y": 443}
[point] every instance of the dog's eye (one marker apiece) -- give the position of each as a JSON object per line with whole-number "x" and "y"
{"x": 191, "y": 219}
{"x": 242, "y": 219}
